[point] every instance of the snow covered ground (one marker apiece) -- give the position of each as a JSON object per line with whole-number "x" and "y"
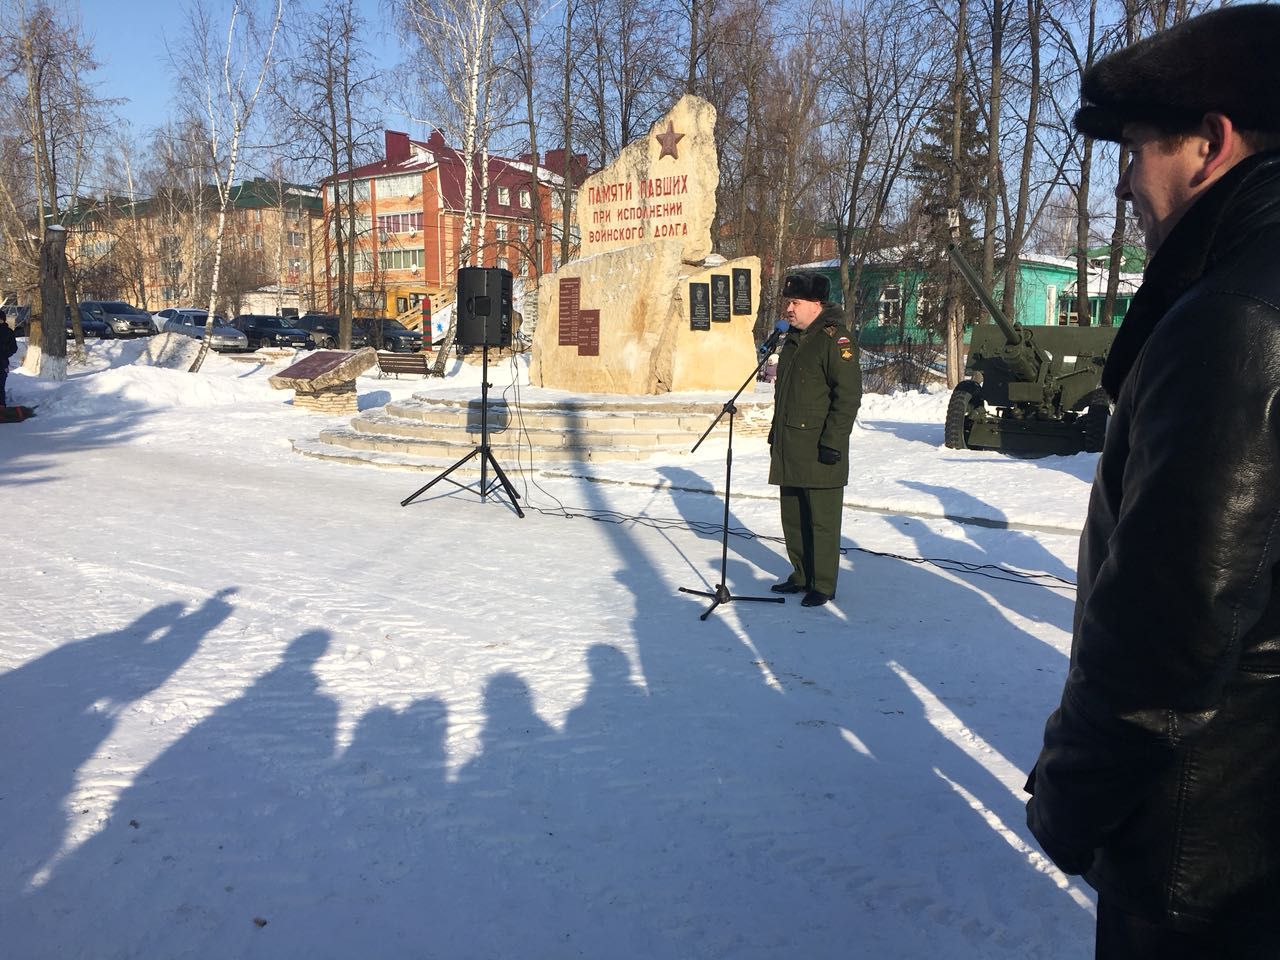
{"x": 251, "y": 707}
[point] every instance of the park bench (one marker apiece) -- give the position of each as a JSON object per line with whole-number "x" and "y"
{"x": 398, "y": 363}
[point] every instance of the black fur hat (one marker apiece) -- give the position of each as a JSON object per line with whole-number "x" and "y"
{"x": 806, "y": 286}
{"x": 1222, "y": 61}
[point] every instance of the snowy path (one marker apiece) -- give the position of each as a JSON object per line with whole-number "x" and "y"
{"x": 239, "y": 686}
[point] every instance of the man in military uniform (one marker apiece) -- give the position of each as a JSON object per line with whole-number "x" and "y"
{"x": 816, "y": 399}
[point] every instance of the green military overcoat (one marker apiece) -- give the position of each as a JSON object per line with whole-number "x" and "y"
{"x": 815, "y": 401}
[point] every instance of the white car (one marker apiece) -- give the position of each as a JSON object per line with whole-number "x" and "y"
{"x": 163, "y": 317}
{"x": 191, "y": 323}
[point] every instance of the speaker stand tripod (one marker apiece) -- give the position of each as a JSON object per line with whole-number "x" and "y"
{"x": 483, "y": 451}
{"x": 721, "y": 593}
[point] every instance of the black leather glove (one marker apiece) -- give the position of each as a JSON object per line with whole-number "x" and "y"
{"x": 828, "y": 455}
{"x": 771, "y": 436}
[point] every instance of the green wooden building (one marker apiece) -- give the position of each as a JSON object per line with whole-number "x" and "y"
{"x": 891, "y": 295}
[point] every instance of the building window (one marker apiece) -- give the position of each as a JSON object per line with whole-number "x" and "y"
{"x": 890, "y": 304}
{"x": 344, "y": 189}
{"x": 524, "y": 233}
{"x": 502, "y": 263}
{"x": 504, "y": 196}
{"x": 405, "y": 185}
{"x": 295, "y": 265}
{"x": 364, "y": 223}
{"x": 525, "y": 200}
{"x": 401, "y": 259}
{"x": 257, "y": 241}
{"x": 399, "y": 222}
{"x": 257, "y": 216}
{"x": 362, "y": 262}
{"x": 294, "y": 238}
{"x": 500, "y": 232}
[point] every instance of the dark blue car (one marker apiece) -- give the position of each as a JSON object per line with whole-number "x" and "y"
{"x": 393, "y": 336}
{"x": 267, "y": 331}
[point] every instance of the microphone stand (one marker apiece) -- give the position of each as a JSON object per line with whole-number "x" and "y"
{"x": 721, "y": 593}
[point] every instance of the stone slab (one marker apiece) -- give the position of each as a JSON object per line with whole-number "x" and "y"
{"x": 325, "y": 368}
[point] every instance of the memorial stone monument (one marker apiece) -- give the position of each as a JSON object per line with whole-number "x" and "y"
{"x": 325, "y": 381}
{"x": 647, "y": 308}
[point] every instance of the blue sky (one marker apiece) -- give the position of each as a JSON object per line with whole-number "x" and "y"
{"x": 129, "y": 39}
{"x": 129, "y": 42}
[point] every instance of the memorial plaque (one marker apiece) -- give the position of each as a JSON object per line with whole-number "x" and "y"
{"x": 588, "y": 333}
{"x": 699, "y": 306}
{"x": 325, "y": 370}
{"x": 741, "y": 291}
{"x": 570, "y": 304}
{"x": 720, "y": 298}
{"x": 315, "y": 364}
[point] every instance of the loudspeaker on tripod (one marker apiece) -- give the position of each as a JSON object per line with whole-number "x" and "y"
{"x": 484, "y": 307}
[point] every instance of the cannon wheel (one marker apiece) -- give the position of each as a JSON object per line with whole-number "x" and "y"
{"x": 965, "y": 398}
{"x": 1094, "y": 420}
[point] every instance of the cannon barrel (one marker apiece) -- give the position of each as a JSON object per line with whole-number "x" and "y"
{"x": 1012, "y": 334}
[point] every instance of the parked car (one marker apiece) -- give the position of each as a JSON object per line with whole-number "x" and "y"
{"x": 19, "y": 318}
{"x": 161, "y": 318}
{"x": 89, "y": 325}
{"x": 323, "y": 329}
{"x": 122, "y": 319}
{"x": 396, "y": 337}
{"x": 225, "y": 339}
{"x": 268, "y": 331}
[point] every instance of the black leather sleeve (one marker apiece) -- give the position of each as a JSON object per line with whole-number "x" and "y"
{"x": 1176, "y": 567}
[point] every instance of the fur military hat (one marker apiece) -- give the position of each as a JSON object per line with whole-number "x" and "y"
{"x": 1222, "y": 61}
{"x": 806, "y": 286}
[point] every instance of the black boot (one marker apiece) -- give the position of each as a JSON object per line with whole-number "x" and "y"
{"x": 786, "y": 586}
{"x": 814, "y": 599}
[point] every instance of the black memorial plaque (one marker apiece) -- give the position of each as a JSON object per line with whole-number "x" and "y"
{"x": 699, "y": 306}
{"x": 570, "y": 304}
{"x": 588, "y": 333}
{"x": 720, "y": 298}
{"x": 741, "y": 291}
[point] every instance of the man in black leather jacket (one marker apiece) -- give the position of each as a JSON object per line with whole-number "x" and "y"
{"x": 1159, "y": 779}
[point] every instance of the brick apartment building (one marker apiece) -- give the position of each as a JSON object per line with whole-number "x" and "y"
{"x": 409, "y": 218}
{"x": 158, "y": 252}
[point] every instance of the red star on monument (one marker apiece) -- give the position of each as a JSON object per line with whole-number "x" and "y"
{"x": 669, "y": 141}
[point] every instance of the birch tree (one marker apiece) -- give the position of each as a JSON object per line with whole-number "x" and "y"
{"x": 225, "y": 79}
{"x": 456, "y": 41}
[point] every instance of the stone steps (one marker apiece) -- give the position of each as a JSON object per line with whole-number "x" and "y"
{"x": 432, "y": 432}
{"x": 541, "y": 436}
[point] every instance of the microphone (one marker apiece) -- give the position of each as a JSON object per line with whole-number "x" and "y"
{"x": 773, "y": 340}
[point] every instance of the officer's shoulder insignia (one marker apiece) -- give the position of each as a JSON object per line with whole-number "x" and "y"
{"x": 830, "y": 329}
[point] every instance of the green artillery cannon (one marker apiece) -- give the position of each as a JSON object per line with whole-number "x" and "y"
{"x": 1028, "y": 392}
